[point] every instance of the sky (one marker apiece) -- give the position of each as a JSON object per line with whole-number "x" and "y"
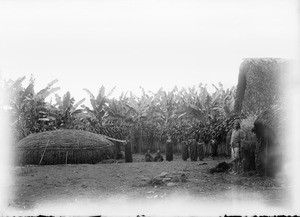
{"x": 152, "y": 44}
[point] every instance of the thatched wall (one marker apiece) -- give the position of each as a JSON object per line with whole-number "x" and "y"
{"x": 259, "y": 84}
{"x": 63, "y": 147}
{"x": 268, "y": 129}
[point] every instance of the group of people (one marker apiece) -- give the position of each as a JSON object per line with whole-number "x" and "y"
{"x": 194, "y": 148}
{"x": 157, "y": 157}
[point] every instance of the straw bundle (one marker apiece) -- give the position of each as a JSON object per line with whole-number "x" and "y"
{"x": 63, "y": 147}
{"x": 259, "y": 84}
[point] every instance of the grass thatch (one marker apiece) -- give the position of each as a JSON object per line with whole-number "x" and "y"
{"x": 259, "y": 84}
{"x": 268, "y": 128}
{"x": 63, "y": 147}
{"x": 272, "y": 118}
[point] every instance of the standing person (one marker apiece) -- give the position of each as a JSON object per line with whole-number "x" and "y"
{"x": 128, "y": 153}
{"x": 214, "y": 148}
{"x": 169, "y": 149}
{"x": 200, "y": 149}
{"x": 235, "y": 143}
{"x": 185, "y": 150}
{"x": 228, "y": 140}
{"x": 194, "y": 153}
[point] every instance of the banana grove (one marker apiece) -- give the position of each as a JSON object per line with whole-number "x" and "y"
{"x": 148, "y": 118}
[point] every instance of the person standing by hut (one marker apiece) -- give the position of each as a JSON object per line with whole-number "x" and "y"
{"x": 128, "y": 153}
{"x": 228, "y": 148}
{"x": 169, "y": 149}
{"x": 194, "y": 153}
{"x": 185, "y": 150}
{"x": 200, "y": 149}
{"x": 235, "y": 143}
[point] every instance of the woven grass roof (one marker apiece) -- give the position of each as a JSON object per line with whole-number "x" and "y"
{"x": 63, "y": 146}
{"x": 272, "y": 118}
{"x": 260, "y": 83}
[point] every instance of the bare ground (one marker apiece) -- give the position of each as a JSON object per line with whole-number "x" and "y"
{"x": 34, "y": 186}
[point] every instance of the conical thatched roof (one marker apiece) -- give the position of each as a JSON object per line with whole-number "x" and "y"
{"x": 63, "y": 146}
{"x": 260, "y": 83}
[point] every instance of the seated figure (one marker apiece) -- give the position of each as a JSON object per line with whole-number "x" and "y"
{"x": 158, "y": 157}
{"x": 148, "y": 157}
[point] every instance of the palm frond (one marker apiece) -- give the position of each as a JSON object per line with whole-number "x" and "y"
{"x": 132, "y": 108}
{"x": 111, "y": 91}
{"x": 78, "y": 103}
{"x": 89, "y": 93}
{"x": 18, "y": 82}
{"x": 101, "y": 93}
{"x": 66, "y": 101}
{"x": 45, "y": 92}
{"x": 29, "y": 90}
{"x": 77, "y": 111}
{"x": 58, "y": 101}
{"x": 94, "y": 105}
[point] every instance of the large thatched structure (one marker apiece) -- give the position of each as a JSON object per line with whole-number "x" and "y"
{"x": 260, "y": 83}
{"x": 259, "y": 90}
{"x": 268, "y": 129}
{"x": 63, "y": 147}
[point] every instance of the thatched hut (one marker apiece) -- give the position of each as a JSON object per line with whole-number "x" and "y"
{"x": 260, "y": 87}
{"x": 260, "y": 82}
{"x": 63, "y": 147}
{"x": 268, "y": 129}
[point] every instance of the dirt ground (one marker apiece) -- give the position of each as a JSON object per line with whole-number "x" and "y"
{"x": 37, "y": 187}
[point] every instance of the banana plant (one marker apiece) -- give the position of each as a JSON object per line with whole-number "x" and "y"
{"x": 120, "y": 110}
{"x": 97, "y": 114}
{"x": 28, "y": 109}
{"x": 207, "y": 110}
{"x": 207, "y": 107}
{"x": 138, "y": 107}
{"x": 167, "y": 112}
{"x": 65, "y": 110}
{"x": 118, "y": 120}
